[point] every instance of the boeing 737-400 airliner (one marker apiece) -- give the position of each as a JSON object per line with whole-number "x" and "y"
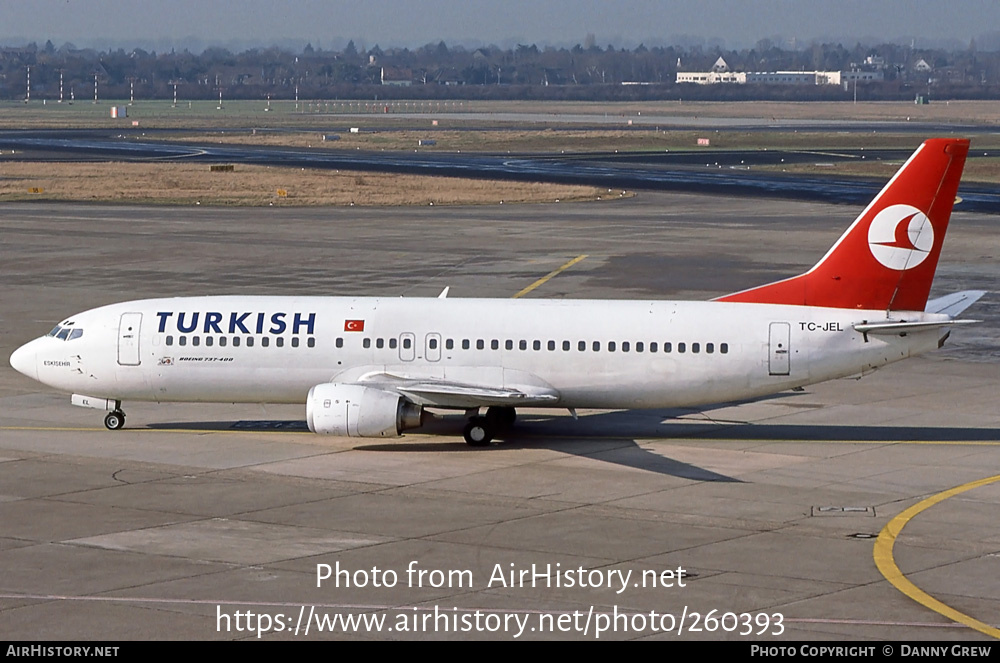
{"x": 370, "y": 367}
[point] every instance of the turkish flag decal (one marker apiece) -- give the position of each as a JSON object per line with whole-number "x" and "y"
{"x": 354, "y": 325}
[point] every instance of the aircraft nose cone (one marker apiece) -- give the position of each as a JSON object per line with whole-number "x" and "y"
{"x": 24, "y": 361}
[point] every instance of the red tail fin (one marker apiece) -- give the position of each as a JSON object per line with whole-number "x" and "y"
{"x": 887, "y": 258}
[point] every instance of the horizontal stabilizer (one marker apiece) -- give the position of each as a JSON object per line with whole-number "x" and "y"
{"x": 954, "y": 303}
{"x": 902, "y": 326}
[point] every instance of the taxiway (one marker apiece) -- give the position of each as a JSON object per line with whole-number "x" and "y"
{"x": 772, "y": 507}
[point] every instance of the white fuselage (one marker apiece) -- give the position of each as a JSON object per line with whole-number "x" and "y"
{"x": 587, "y": 353}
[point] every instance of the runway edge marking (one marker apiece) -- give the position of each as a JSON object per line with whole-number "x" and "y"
{"x": 886, "y": 564}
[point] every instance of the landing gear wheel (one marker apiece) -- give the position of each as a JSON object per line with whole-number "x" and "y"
{"x": 501, "y": 418}
{"x": 478, "y": 432}
{"x": 115, "y": 420}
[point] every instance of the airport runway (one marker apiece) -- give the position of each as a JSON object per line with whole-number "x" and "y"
{"x": 725, "y": 172}
{"x": 195, "y": 515}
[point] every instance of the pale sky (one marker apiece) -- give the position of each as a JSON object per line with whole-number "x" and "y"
{"x": 162, "y": 24}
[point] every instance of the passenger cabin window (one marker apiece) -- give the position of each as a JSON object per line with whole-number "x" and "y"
{"x": 280, "y": 342}
{"x": 681, "y": 347}
{"x": 311, "y": 342}
{"x": 379, "y": 343}
{"x": 366, "y": 343}
{"x": 170, "y": 340}
{"x": 508, "y": 344}
{"x": 449, "y": 344}
{"x": 724, "y": 348}
{"x": 295, "y": 341}
{"x": 465, "y": 344}
{"x": 236, "y": 341}
{"x": 392, "y": 344}
{"x": 551, "y": 346}
{"x": 494, "y": 344}
{"x": 340, "y": 342}
{"x": 612, "y": 346}
{"x": 265, "y": 342}
{"x": 407, "y": 343}
{"x": 432, "y": 344}
{"x": 209, "y": 341}
{"x": 480, "y": 344}
{"x": 222, "y": 341}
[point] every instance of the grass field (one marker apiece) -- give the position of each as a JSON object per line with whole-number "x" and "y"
{"x": 322, "y": 114}
{"x": 190, "y": 184}
{"x": 982, "y": 170}
{"x": 550, "y": 141}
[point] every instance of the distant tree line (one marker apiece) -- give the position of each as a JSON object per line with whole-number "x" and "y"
{"x": 437, "y": 71}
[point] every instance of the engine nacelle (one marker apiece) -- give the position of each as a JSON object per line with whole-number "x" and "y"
{"x": 358, "y": 411}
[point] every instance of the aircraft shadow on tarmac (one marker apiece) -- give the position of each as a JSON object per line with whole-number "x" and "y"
{"x": 533, "y": 431}
{"x": 623, "y": 452}
{"x": 613, "y": 437}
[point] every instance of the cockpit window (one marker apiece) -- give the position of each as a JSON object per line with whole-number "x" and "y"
{"x": 65, "y": 333}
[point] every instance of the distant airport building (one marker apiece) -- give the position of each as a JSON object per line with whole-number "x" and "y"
{"x": 778, "y": 77}
{"x": 783, "y": 77}
{"x": 711, "y": 77}
{"x": 720, "y": 73}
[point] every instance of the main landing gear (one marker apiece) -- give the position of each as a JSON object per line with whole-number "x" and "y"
{"x": 115, "y": 420}
{"x": 480, "y": 431}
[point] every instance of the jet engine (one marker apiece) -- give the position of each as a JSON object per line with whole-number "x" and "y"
{"x": 358, "y": 411}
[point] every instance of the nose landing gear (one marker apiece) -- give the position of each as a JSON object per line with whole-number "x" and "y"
{"x": 114, "y": 420}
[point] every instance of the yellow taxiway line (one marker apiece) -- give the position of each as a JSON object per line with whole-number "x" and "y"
{"x": 548, "y": 276}
{"x": 887, "y": 564}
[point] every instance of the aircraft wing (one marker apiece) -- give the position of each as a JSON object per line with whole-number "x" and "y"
{"x": 452, "y": 394}
{"x": 445, "y": 394}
